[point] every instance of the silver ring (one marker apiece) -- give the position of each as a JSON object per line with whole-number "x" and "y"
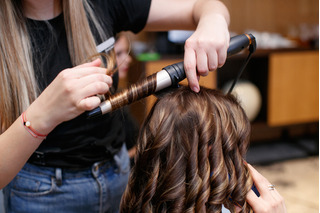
{"x": 271, "y": 187}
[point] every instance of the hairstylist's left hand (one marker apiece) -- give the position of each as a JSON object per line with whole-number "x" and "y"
{"x": 206, "y": 49}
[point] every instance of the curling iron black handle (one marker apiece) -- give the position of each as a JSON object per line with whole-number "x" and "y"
{"x": 240, "y": 42}
{"x": 237, "y": 43}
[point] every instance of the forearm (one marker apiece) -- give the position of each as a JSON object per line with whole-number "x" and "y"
{"x": 17, "y": 143}
{"x": 16, "y": 146}
{"x": 206, "y": 10}
{"x": 184, "y": 14}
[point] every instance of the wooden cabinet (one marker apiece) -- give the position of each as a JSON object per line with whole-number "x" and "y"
{"x": 293, "y": 88}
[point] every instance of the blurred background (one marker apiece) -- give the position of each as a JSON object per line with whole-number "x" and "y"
{"x": 279, "y": 89}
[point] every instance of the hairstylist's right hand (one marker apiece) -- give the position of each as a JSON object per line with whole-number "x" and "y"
{"x": 71, "y": 93}
{"x": 270, "y": 200}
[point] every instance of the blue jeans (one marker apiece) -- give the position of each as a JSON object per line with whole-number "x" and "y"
{"x": 46, "y": 189}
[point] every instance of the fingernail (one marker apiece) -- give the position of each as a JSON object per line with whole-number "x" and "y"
{"x": 195, "y": 89}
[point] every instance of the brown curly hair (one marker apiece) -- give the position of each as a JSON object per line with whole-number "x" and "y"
{"x": 190, "y": 155}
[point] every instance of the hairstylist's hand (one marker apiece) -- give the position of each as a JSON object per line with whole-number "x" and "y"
{"x": 71, "y": 93}
{"x": 206, "y": 49}
{"x": 269, "y": 201}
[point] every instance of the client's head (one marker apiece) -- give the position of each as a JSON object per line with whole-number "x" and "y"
{"x": 191, "y": 155}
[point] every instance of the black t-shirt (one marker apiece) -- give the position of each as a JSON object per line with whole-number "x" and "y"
{"x": 81, "y": 141}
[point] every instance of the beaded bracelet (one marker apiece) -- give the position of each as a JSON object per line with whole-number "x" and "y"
{"x": 28, "y": 127}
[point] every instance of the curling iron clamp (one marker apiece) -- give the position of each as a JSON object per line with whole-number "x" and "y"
{"x": 169, "y": 76}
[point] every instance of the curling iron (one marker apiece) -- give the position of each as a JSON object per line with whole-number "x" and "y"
{"x": 169, "y": 76}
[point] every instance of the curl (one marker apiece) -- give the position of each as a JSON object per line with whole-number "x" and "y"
{"x": 190, "y": 155}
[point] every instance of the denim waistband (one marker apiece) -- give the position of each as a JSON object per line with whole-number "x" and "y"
{"x": 66, "y": 173}
{"x": 69, "y": 159}
{"x": 69, "y": 173}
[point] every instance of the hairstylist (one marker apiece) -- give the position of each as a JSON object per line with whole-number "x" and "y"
{"x": 75, "y": 164}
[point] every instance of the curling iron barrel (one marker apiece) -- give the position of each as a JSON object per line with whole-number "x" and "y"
{"x": 170, "y": 76}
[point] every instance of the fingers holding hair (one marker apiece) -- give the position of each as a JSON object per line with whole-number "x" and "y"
{"x": 269, "y": 200}
{"x": 95, "y": 63}
{"x": 190, "y": 69}
{"x": 74, "y": 91}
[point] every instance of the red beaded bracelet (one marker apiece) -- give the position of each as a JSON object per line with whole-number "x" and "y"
{"x": 32, "y": 131}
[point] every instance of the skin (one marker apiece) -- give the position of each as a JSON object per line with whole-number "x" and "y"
{"x": 41, "y": 10}
{"x": 269, "y": 200}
